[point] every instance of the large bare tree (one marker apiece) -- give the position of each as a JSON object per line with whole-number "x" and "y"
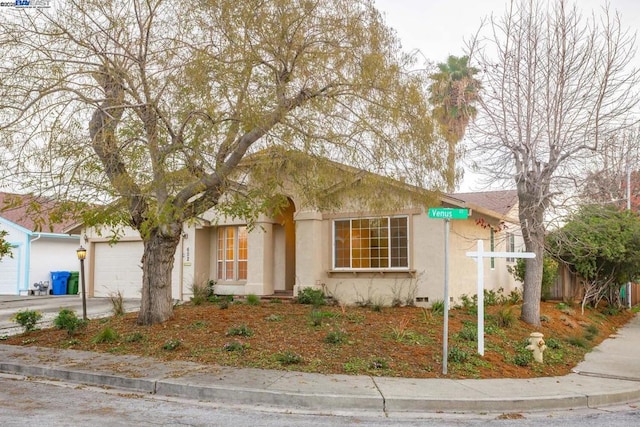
{"x": 148, "y": 107}
{"x": 556, "y": 84}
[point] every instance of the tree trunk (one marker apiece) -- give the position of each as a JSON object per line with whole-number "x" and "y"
{"x": 157, "y": 265}
{"x": 533, "y": 232}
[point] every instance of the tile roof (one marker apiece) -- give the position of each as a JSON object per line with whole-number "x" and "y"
{"x": 500, "y": 201}
{"x": 30, "y": 212}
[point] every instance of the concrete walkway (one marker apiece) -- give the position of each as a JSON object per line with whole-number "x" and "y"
{"x": 609, "y": 375}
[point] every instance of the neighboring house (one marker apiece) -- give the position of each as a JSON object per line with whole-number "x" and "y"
{"x": 353, "y": 254}
{"x": 37, "y": 249}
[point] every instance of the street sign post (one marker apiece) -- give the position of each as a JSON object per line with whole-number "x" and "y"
{"x": 447, "y": 214}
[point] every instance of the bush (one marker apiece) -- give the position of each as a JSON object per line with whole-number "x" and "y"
{"x": 27, "y": 319}
{"x": 437, "y": 307}
{"x": 134, "y": 337}
{"x": 253, "y": 299}
{"x": 105, "y": 335}
{"x": 505, "y": 317}
{"x": 335, "y": 337}
{"x": 289, "y": 358}
{"x": 492, "y": 297}
{"x": 553, "y": 343}
{"x": 117, "y": 303}
{"x": 311, "y": 296}
{"x": 68, "y": 320}
{"x": 458, "y": 355}
{"x": 242, "y": 331}
{"x": 171, "y": 344}
{"x": 234, "y": 346}
{"x": 591, "y": 332}
{"x": 468, "y": 333}
{"x": 469, "y": 304}
{"x": 523, "y": 358}
{"x": 578, "y": 342}
{"x": 201, "y": 292}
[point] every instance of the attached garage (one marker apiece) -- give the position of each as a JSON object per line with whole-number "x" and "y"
{"x": 117, "y": 267}
{"x": 10, "y": 273}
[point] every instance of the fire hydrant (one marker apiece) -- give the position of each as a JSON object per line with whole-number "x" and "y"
{"x": 537, "y": 346}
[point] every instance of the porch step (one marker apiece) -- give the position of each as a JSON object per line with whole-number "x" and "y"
{"x": 284, "y": 296}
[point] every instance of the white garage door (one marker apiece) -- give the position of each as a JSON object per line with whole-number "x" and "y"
{"x": 9, "y": 274}
{"x": 117, "y": 268}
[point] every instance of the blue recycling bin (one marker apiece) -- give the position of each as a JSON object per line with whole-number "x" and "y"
{"x": 59, "y": 281}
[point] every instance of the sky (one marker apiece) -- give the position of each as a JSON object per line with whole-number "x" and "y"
{"x": 439, "y": 28}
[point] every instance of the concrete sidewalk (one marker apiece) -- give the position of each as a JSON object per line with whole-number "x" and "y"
{"x": 609, "y": 375}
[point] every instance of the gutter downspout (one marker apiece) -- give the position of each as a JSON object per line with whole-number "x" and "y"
{"x": 27, "y": 266}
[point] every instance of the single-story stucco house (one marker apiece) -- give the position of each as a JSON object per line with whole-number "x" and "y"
{"x": 352, "y": 254}
{"x": 37, "y": 249}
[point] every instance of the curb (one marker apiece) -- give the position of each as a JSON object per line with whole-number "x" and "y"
{"x": 298, "y": 392}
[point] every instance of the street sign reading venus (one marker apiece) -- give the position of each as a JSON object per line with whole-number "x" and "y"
{"x": 448, "y": 213}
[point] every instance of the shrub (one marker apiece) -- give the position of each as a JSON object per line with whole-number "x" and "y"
{"x": 242, "y": 331}
{"x": 253, "y": 299}
{"x": 377, "y": 305}
{"x": 468, "y": 333}
{"x": 171, "y": 344}
{"x": 117, "y": 303}
{"x": 399, "y": 331}
{"x": 68, "y": 320}
{"x": 316, "y": 316}
{"x": 515, "y": 296}
{"x": 457, "y": 355}
{"x": 523, "y": 358}
{"x": 492, "y": 297}
{"x": 311, "y": 296}
{"x": 553, "y": 343}
{"x": 591, "y": 332}
{"x": 223, "y": 304}
{"x": 201, "y": 292}
{"x": 288, "y": 358}
{"x": 469, "y": 304}
{"x": 198, "y": 324}
{"x": 578, "y": 342}
{"x": 505, "y": 317}
{"x": 335, "y": 337}
{"x": 273, "y": 318}
{"x": 27, "y": 319}
{"x": 134, "y": 337}
{"x": 437, "y": 307}
{"x": 105, "y": 335}
{"x": 234, "y": 346}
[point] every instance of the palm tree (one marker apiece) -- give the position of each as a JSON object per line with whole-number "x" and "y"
{"x": 453, "y": 92}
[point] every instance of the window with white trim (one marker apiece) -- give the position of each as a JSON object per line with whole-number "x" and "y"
{"x": 371, "y": 243}
{"x": 511, "y": 245}
{"x": 232, "y": 253}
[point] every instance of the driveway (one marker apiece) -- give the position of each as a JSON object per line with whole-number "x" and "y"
{"x": 50, "y": 306}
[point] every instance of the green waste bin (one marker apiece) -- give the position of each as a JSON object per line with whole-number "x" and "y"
{"x": 72, "y": 284}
